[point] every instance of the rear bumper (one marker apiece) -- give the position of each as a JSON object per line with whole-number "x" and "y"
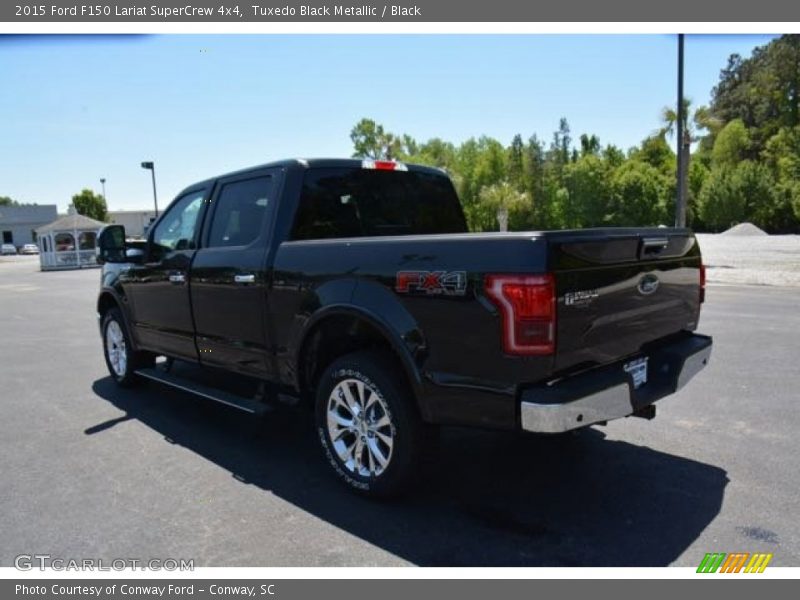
{"x": 607, "y": 392}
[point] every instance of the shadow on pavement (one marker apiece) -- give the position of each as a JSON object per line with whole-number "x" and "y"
{"x": 490, "y": 499}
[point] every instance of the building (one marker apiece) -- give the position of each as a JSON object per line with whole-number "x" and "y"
{"x": 18, "y": 224}
{"x": 135, "y": 222}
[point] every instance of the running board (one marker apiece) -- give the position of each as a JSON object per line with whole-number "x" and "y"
{"x": 249, "y": 405}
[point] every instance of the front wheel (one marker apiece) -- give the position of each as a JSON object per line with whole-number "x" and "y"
{"x": 368, "y": 424}
{"x": 121, "y": 359}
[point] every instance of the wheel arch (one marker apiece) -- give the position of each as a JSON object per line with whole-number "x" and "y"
{"x": 336, "y": 330}
{"x": 107, "y": 300}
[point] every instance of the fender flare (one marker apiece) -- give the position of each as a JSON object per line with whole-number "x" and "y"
{"x": 109, "y": 292}
{"x": 400, "y": 330}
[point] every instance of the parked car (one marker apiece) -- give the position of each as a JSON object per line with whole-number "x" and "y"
{"x": 29, "y": 249}
{"x": 354, "y": 286}
{"x": 6, "y": 249}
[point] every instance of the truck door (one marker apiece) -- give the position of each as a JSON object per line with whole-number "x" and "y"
{"x": 229, "y": 275}
{"x": 158, "y": 289}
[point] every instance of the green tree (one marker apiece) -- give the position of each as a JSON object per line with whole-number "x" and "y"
{"x": 762, "y": 90}
{"x": 371, "y": 140}
{"x": 504, "y": 197}
{"x": 515, "y": 162}
{"x": 534, "y": 164}
{"x": 438, "y": 153}
{"x": 613, "y": 156}
{"x": 720, "y": 204}
{"x": 7, "y": 201}
{"x": 656, "y": 152}
{"x": 691, "y": 124}
{"x": 91, "y": 205}
{"x": 590, "y": 144}
{"x": 588, "y": 199}
{"x": 481, "y": 163}
{"x": 640, "y": 195}
{"x": 731, "y": 145}
{"x": 409, "y": 145}
{"x": 693, "y": 121}
{"x": 698, "y": 174}
{"x": 560, "y": 148}
{"x": 746, "y": 192}
{"x": 782, "y": 156}
{"x": 756, "y": 185}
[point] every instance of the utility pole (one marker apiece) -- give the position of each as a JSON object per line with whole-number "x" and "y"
{"x": 680, "y": 204}
{"x": 150, "y": 166}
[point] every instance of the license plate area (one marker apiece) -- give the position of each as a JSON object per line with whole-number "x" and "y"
{"x": 638, "y": 371}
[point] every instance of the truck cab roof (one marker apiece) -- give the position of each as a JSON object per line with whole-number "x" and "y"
{"x": 310, "y": 163}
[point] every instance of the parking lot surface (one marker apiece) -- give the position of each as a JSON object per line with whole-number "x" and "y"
{"x": 89, "y": 470}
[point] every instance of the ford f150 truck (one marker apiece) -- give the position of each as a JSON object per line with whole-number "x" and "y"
{"x": 354, "y": 286}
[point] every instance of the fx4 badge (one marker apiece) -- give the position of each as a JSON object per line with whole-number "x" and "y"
{"x": 446, "y": 283}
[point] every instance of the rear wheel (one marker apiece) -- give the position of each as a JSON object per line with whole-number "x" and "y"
{"x": 121, "y": 360}
{"x": 368, "y": 425}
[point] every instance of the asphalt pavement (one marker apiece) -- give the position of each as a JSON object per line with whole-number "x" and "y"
{"x": 92, "y": 471}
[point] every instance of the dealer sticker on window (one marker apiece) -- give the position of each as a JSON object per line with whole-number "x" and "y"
{"x": 638, "y": 370}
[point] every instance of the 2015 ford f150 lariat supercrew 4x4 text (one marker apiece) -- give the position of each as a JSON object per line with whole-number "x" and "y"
{"x": 354, "y": 286}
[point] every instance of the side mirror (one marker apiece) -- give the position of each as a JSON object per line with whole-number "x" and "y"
{"x": 111, "y": 245}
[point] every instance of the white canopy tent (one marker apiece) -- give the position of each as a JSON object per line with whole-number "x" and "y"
{"x": 68, "y": 243}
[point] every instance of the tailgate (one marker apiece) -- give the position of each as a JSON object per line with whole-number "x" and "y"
{"x": 620, "y": 289}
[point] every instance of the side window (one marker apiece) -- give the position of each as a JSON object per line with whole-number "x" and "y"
{"x": 176, "y": 230}
{"x": 240, "y": 211}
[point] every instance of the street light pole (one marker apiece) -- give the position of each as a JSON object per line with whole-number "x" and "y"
{"x": 103, "y": 183}
{"x": 152, "y": 168}
{"x": 680, "y": 204}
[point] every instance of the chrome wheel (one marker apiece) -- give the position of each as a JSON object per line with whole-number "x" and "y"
{"x": 116, "y": 349}
{"x": 360, "y": 428}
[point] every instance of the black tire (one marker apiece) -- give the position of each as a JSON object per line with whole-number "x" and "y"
{"x": 379, "y": 374}
{"x": 123, "y": 376}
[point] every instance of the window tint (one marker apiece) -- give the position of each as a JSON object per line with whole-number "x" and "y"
{"x": 354, "y": 202}
{"x": 176, "y": 230}
{"x": 240, "y": 211}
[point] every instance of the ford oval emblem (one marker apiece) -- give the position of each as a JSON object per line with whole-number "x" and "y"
{"x": 648, "y": 284}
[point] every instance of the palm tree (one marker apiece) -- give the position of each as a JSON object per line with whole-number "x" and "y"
{"x": 702, "y": 119}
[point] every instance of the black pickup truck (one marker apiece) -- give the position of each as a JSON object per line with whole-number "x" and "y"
{"x": 354, "y": 286}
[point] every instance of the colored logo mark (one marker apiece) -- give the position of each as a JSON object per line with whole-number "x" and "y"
{"x": 735, "y": 562}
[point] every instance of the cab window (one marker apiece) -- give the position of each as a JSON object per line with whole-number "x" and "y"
{"x": 176, "y": 230}
{"x": 240, "y": 211}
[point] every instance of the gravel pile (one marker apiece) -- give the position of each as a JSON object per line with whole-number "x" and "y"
{"x": 744, "y": 229}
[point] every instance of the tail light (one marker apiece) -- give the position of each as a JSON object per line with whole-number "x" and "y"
{"x": 383, "y": 165}
{"x": 702, "y": 283}
{"x": 527, "y": 306}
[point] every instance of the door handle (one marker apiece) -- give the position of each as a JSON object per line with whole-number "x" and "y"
{"x": 177, "y": 278}
{"x": 655, "y": 242}
{"x": 652, "y": 246}
{"x": 245, "y": 278}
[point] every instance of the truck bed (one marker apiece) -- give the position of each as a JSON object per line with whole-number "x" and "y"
{"x": 454, "y": 339}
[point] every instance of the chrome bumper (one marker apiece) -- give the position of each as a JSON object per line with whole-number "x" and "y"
{"x": 608, "y": 393}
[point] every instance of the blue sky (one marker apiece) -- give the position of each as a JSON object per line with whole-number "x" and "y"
{"x": 78, "y": 108}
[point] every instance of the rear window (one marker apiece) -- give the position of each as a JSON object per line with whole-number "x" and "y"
{"x": 354, "y": 202}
